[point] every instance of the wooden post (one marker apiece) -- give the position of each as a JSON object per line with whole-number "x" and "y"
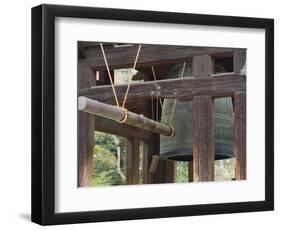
{"x": 240, "y": 135}
{"x": 147, "y": 159}
{"x": 170, "y": 171}
{"x": 239, "y": 66}
{"x": 158, "y": 176}
{"x": 203, "y": 127}
{"x": 203, "y": 139}
{"x": 132, "y": 161}
{"x": 86, "y": 79}
{"x": 239, "y": 60}
{"x": 190, "y": 171}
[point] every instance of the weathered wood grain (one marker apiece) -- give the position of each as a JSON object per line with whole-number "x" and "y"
{"x": 118, "y": 114}
{"x": 86, "y": 134}
{"x": 239, "y": 61}
{"x": 203, "y": 126}
{"x": 190, "y": 171}
{"x": 170, "y": 171}
{"x": 154, "y": 163}
{"x": 109, "y": 126}
{"x": 203, "y": 139}
{"x": 240, "y": 135}
{"x": 123, "y": 57}
{"x": 145, "y": 164}
{"x": 202, "y": 66}
{"x": 132, "y": 161}
{"x": 218, "y": 85}
{"x": 147, "y": 177}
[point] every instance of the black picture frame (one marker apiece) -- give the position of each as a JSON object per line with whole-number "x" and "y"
{"x": 43, "y": 114}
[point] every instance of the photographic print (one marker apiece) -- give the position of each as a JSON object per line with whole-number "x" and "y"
{"x": 145, "y": 114}
{"x": 151, "y": 114}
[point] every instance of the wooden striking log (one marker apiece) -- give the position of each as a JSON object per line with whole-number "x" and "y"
{"x": 120, "y": 115}
{"x": 217, "y": 85}
{"x": 109, "y": 126}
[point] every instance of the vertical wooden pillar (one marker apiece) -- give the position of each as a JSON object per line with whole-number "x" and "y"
{"x": 203, "y": 127}
{"x": 145, "y": 164}
{"x": 150, "y": 148}
{"x": 203, "y": 139}
{"x": 170, "y": 172}
{"x": 239, "y": 60}
{"x": 190, "y": 171}
{"x": 166, "y": 171}
{"x": 86, "y": 126}
{"x": 147, "y": 157}
{"x": 132, "y": 161}
{"x": 240, "y": 135}
{"x": 159, "y": 176}
{"x": 239, "y": 65}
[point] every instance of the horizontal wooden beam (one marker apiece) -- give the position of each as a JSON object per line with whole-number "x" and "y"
{"x": 123, "y": 57}
{"x": 218, "y": 85}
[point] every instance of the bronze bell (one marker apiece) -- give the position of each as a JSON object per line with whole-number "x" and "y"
{"x": 180, "y": 147}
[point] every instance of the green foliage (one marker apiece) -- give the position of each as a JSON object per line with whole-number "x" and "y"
{"x": 107, "y": 141}
{"x": 108, "y": 171}
{"x": 105, "y": 161}
{"x": 225, "y": 170}
{"x": 182, "y": 172}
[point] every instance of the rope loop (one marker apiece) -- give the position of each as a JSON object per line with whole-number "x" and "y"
{"x": 173, "y": 132}
{"x": 125, "y": 117}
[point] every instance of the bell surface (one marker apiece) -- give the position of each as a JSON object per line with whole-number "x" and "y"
{"x": 180, "y": 146}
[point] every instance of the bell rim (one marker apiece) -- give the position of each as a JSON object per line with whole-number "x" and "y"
{"x": 222, "y": 152}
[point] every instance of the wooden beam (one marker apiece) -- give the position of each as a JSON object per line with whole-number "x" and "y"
{"x": 147, "y": 159}
{"x": 86, "y": 134}
{"x": 109, "y": 126}
{"x": 169, "y": 171}
{"x": 240, "y": 135}
{"x": 190, "y": 171}
{"x": 203, "y": 139}
{"x": 239, "y": 61}
{"x": 218, "y": 85}
{"x": 132, "y": 161}
{"x": 154, "y": 163}
{"x": 203, "y": 127}
{"x": 202, "y": 66}
{"x": 123, "y": 57}
{"x": 123, "y": 116}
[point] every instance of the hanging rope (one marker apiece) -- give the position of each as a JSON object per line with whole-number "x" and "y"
{"x": 131, "y": 78}
{"x": 109, "y": 75}
{"x": 111, "y": 81}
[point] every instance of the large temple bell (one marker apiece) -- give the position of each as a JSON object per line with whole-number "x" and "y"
{"x": 180, "y": 147}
